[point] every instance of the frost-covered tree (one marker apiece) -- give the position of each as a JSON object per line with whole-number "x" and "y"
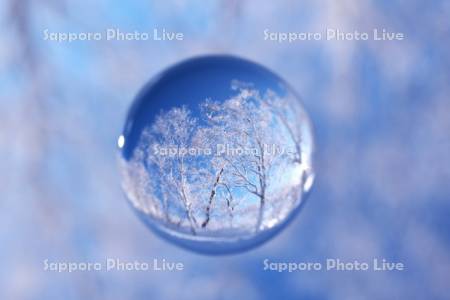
{"x": 287, "y": 113}
{"x": 168, "y": 138}
{"x": 223, "y": 169}
{"x": 243, "y": 123}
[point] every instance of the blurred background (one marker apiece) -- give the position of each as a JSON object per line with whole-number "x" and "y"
{"x": 381, "y": 113}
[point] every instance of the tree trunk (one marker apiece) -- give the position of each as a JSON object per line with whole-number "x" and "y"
{"x": 211, "y": 198}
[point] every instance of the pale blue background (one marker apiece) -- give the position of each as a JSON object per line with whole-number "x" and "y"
{"x": 381, "y": 112}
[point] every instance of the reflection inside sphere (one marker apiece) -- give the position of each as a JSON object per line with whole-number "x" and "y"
{"x": 216, "y": 154}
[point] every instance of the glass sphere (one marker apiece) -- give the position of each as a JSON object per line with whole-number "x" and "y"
{"x": 216, "y": 154}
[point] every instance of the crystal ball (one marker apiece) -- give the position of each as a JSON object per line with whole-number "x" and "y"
{"x": 216, "y": 154}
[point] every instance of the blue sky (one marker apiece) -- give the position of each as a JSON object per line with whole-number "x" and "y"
{"x": 380, "y": 113}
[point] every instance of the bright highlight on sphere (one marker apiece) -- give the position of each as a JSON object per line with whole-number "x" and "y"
{"x": 216, "y": 154}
